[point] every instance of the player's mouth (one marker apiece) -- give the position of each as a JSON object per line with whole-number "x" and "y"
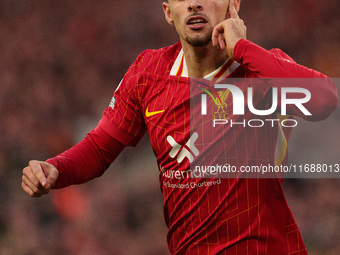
{"x": 196, "y": 22}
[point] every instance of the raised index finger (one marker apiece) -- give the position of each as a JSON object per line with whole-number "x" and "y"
{"x": 232, "y": 10}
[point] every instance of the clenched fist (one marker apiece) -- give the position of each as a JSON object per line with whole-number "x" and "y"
{"x": 230, "y": 31}
{"x": 38, "y": 178}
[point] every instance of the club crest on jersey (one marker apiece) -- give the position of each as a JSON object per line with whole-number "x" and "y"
{"x": 219, "y": 100}
{"x": 113, "y": 102}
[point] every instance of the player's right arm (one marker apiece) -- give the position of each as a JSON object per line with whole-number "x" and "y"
{"x": 83, "y": 162}
{"x": 122, "y": 125}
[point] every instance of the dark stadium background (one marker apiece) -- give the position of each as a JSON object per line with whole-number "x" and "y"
{"x": 61, "y": 60}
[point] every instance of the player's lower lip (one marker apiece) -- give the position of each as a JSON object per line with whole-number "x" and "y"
{"x": 196, "y": 26}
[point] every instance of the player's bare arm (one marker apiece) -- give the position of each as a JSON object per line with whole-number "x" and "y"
{"x": 38, "y": 178}
{"x": 230, "y": 31}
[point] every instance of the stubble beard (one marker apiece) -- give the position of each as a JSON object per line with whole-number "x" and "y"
{"x": 199, "y": 41}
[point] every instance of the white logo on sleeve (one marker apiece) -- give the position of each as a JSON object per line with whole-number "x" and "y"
{"x": 183, "y": 151}
{"x": 113, "y": 102}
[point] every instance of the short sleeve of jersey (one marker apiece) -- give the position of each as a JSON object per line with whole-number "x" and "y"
{"x": 123, "y": 119}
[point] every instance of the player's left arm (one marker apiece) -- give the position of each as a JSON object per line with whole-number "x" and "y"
{"x": 231, "y": 34}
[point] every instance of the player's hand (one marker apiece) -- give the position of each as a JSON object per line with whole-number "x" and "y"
{"x": 38, "y": 178}
{"x": 230, "y": 31}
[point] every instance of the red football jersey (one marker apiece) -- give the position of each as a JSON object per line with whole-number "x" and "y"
{"x": 205, "y": 215}
{"x": 209, "y": 216}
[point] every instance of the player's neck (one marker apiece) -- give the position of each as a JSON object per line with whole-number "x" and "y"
{"x": 201, "y": 61}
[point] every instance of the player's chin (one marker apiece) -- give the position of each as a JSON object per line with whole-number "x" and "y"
{"x": 199, "y": 41}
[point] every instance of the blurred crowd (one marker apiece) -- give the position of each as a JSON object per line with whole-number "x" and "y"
{"x": 60, "y": 62}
